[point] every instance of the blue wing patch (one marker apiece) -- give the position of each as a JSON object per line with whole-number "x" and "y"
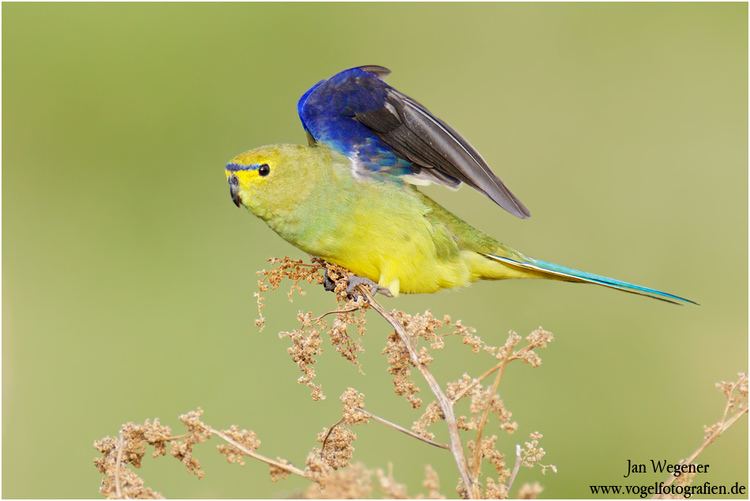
{"x": 328, "y": 111}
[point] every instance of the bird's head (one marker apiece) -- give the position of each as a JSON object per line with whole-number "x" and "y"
{"x": 270, "y": 179}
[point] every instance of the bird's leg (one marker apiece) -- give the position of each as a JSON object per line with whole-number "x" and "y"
{"x": 354, "y": 281}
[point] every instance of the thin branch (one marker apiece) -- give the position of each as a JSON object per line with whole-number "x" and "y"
{"x": 346, "y": 310}
{"x": 446, "y": 406}
{"x": 488, "y": 372}
{"x": 387, "y": 423}
{"x": 516, "y": 467}
{"x": 728, "y": 405}
{"x": 500, "y": 368}
{"x": 708, "y": 441}
{"x": 458, "y": 396}
{"x": 176, "y": 437}
{"x": 724, "y": 425}
{"x": 477, "y": 465}
{"x": 402, "y": 429}
{"x": 328, "y": 434}
{"x": 118, "y": 465}
{"x": 248, "y": 452}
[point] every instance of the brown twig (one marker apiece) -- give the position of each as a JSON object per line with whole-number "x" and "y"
{"x": 458, "y": 396}
{"x": 328, "y": 434}
{"x": 345, "y": 310}
{"x": 118, "y": 465}
{"x": 500, "y": 368}
{"x": 384, "y": 421}
{"x": 723, "y": 425}
{"x": 516, "y": 468}
{"x": 477, "y": 465}
{"x": 446, "y": 405}
{"x": 248, "y": 452}
{"x": 402, "y": 429}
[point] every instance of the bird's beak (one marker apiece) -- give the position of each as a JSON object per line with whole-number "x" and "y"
{"x": 234, "y": 190}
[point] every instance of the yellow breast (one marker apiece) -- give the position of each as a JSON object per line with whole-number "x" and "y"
{"x": 399, "y": 252}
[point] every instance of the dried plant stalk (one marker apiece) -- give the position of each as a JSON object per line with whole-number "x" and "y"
{"x": 446, "y": 405}
{"x": 735, "y": 407}
{"x": 329, "y": 466}
{"x": 412, "y": 345}
{"x": 404, "y": 430}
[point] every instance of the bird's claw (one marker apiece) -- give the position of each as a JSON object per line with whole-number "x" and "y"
{"x": 355, "y": 281}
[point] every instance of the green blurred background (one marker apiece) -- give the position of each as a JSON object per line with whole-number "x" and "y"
{"x": 129, "y": 275}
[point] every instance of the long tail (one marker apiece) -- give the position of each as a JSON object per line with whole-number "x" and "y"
{"x": 569, "y": 274}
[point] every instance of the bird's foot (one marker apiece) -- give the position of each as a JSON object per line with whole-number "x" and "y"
{"x": 355, "y": 281}
{"x": 328, "y": 284}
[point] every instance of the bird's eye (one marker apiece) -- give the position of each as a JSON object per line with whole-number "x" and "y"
{"x": 264, "y": 170}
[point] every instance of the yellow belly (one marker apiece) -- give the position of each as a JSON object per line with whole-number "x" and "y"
{"x": 402, "y": 256}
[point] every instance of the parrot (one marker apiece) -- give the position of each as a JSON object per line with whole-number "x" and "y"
{"x": 350, "y": 195}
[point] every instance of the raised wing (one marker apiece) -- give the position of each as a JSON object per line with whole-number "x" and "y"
{"x": 382, "y": 130}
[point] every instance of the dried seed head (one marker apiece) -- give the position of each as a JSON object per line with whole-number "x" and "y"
{"x": 291, "y": 269}
{"x": 389, "y": 486}
{"x": 399, "y": 366}
{"x": 431, "y": 483}
{"x": 337, "y": 446}
{"x": 430, "y": 416}
{"x": 530, "y": 491}
{"x": 353, "y": 401}
{"x": 354, "y": 482}
{"x": 495, "y": 489}
{"x": 245, "y": 438}
{"x": 306, "y": 346}
{"x": 276, "y": 472}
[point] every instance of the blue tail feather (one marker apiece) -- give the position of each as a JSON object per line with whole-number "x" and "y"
{"x": 564, "y": 272}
